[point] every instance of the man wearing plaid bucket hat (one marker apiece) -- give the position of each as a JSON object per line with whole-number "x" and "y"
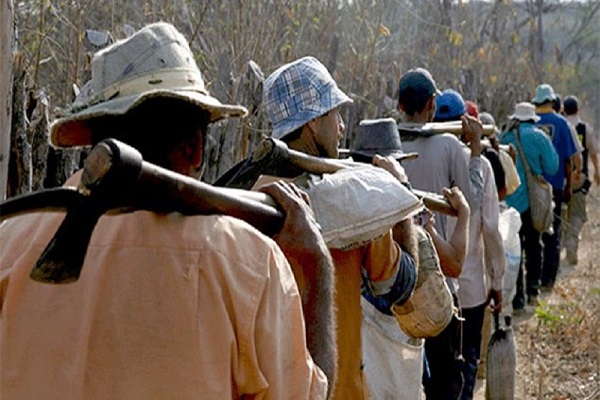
{"x": 302, "y": 103}
{"x": 167, "y": 306}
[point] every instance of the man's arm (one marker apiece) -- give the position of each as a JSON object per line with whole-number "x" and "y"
{"x": 593, "y": 146}
{"x": 472, "y": 135}
{"x": 577, "y": 159}
{"x": 548, "y": 153}
{"x": 568, "y": 191}
{"x": 312, "y": 266}
{"x": 452, "y": 252}
{"x": 495, "y": 260}
{"x": 594, "y": 158}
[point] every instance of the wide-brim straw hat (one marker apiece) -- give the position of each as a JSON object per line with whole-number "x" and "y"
{"x": 155, "y": 62}
{"x": 524, "y": 112}
{"x": 377, "y": 136}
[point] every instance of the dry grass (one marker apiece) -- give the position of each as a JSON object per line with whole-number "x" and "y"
{"x": 558, "y": 342}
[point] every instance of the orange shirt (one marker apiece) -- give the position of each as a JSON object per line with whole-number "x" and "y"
{"x": 380, "y": 260}
{"x": 166, "y": 307}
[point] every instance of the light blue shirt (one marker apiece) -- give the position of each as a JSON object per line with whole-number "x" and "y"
{"x": 541, "y": 157}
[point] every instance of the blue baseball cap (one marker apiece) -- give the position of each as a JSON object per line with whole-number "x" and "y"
{"x": 449, "y": 106}
{"x": 299, "y": 92}
{"x": 543, "y": 93}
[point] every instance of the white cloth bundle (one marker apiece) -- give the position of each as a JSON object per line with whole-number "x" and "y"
{"x": 393, "y": 360}
{"x": 357, "y": 205}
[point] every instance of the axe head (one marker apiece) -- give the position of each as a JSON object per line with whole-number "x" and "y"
{"x": 110, "y": 172}
{"x": 264, "y": 159}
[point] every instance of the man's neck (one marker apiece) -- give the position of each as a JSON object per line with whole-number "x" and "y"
{"x": 544, "y": 109}
{"x": 304, "y": 144}
{"x": 419, "y": 118}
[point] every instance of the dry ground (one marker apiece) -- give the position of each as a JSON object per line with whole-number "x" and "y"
{"x": 558, "y": 343}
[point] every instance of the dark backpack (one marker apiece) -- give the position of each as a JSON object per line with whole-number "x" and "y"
{"x": 581, "y": 133}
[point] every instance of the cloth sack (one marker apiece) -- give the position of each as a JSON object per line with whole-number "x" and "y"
{"x": 540, "y": 201}
{"x": 430, "y": 308}
{"x": 540, "y": 195}
{"x": 393, "y": 361}
{"x": 357, "y": 205}
{"x": 510, "y": 172}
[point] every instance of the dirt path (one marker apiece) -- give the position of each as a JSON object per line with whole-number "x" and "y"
{"x": 558, "y": 343}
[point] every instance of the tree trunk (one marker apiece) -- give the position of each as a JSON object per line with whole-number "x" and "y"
{"x": 539, "y": 49}
{"x": 19, "y": 166}
{"x": 7, "y": 40}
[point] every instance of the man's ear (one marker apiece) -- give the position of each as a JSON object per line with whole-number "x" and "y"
{"x": 194, "y": 151}
{"x": 401, "y": 107}
{"x": 430, "y": 106}
{"x": 312, "y": 126}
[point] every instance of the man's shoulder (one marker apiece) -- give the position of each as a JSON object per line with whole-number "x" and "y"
{"x": 233, "y": 240}
{"x": 226, "y": 228}
{"x": 443, "y": 141}
{"x": 534, "y": 130}
{"x": 558, "y": 121}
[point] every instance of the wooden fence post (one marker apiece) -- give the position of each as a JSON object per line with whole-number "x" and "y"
{"x": 7, "y": 40}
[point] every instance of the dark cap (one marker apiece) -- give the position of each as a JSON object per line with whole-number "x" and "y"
{"x": 377, "y": 136}
{"x": 571, "y": 105}
{"x": 416, "y": 84}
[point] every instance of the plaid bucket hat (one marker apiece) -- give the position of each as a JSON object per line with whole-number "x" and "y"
{"x": 154, "y": 62}
{"x": 299, "y": 92}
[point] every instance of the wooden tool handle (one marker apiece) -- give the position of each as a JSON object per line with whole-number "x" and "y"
{"x": 318, "y": 165}
{"x": 159, "y": 189}
{"x": 454, "y": 127}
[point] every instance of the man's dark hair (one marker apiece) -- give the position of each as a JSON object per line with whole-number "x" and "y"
{"x": 557, "y": 104}
{"x": 571, "y": 105}
{"x": 415, "y": 89}
{"x": 545, "y": 102}
{"x": 154, "y": 128}
{"x": 290, "y": 137}
{"x": 414, "y": 104}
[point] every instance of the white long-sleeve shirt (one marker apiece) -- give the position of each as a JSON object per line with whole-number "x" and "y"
{"x": 485, "y": 248}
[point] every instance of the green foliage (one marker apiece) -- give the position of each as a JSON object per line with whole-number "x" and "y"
{"x": 566, "y": 315}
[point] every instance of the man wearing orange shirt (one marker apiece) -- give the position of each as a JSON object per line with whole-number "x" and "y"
{"x": 167, "y": 306}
